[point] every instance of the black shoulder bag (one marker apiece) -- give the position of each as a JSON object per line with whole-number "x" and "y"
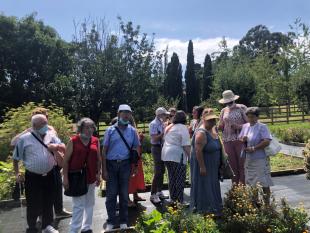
{"x": 78, "y": 180}
{"x": 133, "y": 154}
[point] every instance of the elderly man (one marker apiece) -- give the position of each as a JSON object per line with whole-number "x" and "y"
{"x": 34, "y": 149}
{"x": 157, "y": 133}
{"x": 60, "y": 212}
{"x": 117, "y": 166}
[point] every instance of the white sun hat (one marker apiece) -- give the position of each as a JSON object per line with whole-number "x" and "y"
{"x": 228, "y": 96}
{"x": 124, "y": 107}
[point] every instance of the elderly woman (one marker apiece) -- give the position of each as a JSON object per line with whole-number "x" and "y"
{"x": 256, "y": 137}
{"x": 232, "y": 118}
{"x": 82, "y": 149}
{"x": 206, "y": 151}
{"x": 175, "y": 152}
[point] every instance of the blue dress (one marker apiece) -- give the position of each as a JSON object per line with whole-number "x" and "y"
{"x": 205, "y": 192}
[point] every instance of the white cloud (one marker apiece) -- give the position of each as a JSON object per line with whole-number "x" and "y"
{"x": 201, "y": 47}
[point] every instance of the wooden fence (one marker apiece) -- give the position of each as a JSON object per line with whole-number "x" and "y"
{"x": 269, "y": 115}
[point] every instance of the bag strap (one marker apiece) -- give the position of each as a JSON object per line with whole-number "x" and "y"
{"x": 43, "y": 144}
{"x": 123, "y": 139}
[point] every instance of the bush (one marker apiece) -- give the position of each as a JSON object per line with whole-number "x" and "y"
{"x": 300, "y": 135}
{"x": 17, "y": 120}
{"x": 246, "y": 212}
{"x": 7, "y": 180}
{"x": 306, "y": 153}
{"x": 176, "y": 220}
{"x": 146, "y": 144}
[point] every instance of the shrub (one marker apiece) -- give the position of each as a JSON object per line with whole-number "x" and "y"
{"x": 300, "y": 135}
{"x": 7, "y": 180}
{"x": 177, "y": 219}
{"x": 17, "y": 120}
{"x": 146, "y": 144}
{"x": 246, "y": 212}
{"x": 306, "y": 153}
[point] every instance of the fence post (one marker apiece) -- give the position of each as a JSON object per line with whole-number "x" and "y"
{"x": 287, "y": 114}
{"x": 271, "y": 115}
{"x": 303, "y": 113}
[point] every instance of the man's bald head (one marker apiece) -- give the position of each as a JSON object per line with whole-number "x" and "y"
{"x": 38, "y": 121}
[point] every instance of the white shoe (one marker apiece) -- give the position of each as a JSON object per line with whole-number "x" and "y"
{"x": 109, "y": 227}
{"x": 161, "y": 195}
{"x": 155, "y": 199}
{"x": 49, "y": 229}
{"x": 123, "y": 226}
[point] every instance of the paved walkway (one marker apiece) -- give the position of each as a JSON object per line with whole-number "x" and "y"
{"x": 296, "y": 188}
{"x": 292, "y": 150}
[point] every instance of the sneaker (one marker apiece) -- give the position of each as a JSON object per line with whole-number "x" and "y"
{"x": 123, "y": 226}
{"x": 64, "y": 214}
{"x": 161, "y": 195}
{"x": 87, "y": 231}
{"x": 155, "y": 199}
{"x": 109, "y": 227}
{"x": 49, "y": 229}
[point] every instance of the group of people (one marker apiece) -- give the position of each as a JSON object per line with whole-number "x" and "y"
{"x": 118, "y": 161}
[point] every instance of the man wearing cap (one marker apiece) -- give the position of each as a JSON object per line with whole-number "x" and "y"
{"x": 157, "y": 133}
{"x": 117, "y": 167}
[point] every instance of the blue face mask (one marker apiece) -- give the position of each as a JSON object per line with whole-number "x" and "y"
{"x": 123, "y": 122}
{"x": 43, "y": 130}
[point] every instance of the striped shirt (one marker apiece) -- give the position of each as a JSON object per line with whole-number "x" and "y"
{"x": 156, "y": 127}
{"x": 36, "y": 158}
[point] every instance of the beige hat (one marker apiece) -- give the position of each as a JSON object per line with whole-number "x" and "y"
{"x": 161, "y": 110}
{"x": 228, "y": 96}
{"x": 210, "y": 115}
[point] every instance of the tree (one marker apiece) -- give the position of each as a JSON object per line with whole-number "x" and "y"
{"x": 31, "y": 56}
{"x": 207, "y": 78}
{"x": 192, "y": 95}
{"x": 259, "y": 39}
{"x": 173, "y": 83}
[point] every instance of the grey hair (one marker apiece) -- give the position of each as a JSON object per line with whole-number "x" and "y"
{"x": 35, "y": 119}
{"x": 82, "y": 122}
{"x": 253, "y": 110}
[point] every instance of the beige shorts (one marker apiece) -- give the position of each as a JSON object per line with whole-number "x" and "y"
{"x": 257, "y": 171}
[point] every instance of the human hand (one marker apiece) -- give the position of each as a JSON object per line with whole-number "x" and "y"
{"x": 203, "y": 171}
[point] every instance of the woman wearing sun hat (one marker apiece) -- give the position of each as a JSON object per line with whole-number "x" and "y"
{"x": 232, "y": 118}
{"x": 206, "y": 151}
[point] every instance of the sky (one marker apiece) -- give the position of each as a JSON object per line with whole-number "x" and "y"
{"x": 173, "y": 22}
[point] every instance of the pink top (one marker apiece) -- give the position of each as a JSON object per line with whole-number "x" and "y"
{"x": 231, "y": 121}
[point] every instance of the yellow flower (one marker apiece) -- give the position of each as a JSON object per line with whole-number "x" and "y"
{"x": 184, "y": 231}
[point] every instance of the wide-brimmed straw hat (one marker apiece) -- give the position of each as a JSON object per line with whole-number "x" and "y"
{"x": 228, "y": 96}
{"x": 209, "y": 116}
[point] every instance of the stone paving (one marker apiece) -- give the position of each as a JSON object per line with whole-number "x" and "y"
{"x": 295, "y": 188}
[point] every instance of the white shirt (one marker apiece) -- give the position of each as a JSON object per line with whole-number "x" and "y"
{"x": 35, "y": 156}
{"x": 177, "y": 137}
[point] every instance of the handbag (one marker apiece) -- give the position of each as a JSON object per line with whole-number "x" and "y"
{"x": 133, "y": 154}
{"x": 273, "y": 148}
{"x": 78, "y": 180}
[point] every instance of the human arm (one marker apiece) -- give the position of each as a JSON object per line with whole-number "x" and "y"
{"x": 200, "y": 142}
{"x": 66, "y": 160}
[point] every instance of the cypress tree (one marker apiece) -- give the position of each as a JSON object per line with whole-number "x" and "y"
{"x": 192, "y": 94}
{"x": 207, "y": 78}
{"x": 173, "y": 82}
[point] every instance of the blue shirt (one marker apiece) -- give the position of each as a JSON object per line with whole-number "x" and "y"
{"x": 116, "y": 148}
{"x": 156, "y": 127}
